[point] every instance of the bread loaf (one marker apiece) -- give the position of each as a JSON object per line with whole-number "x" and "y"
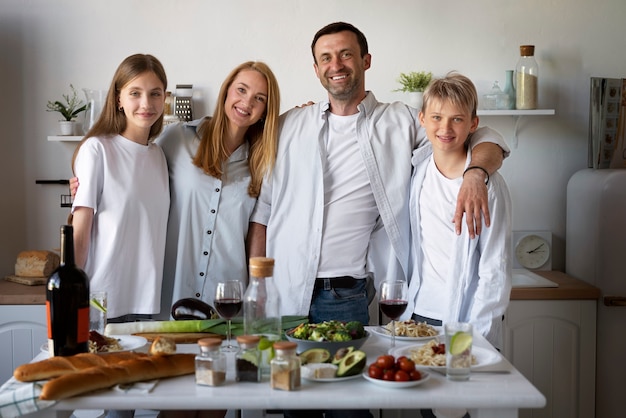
{"x": 36, "y": 263}
{"x": 58, "y": 366}
{"x": 129, "y": 371}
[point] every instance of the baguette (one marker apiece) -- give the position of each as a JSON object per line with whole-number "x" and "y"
{"x": 58, "y": 366}
{"x": 129, "y": 371}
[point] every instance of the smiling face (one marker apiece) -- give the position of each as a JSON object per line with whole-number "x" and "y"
{"x": 142, "y": 100}
{"x": 340, "y": 67}
{"x": 246, "y": 100}
{"x": 447, "y": 125}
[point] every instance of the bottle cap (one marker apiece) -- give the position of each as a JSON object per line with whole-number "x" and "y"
{"x": 248, "y": 340}
{"x": 285, "y": 345}
{"x": 261, "y": 266}
{"x": 209, "y": 342}
{"x": 527, "y": 50}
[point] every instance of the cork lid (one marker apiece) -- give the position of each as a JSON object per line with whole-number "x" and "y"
{"x": 261, "y": 266}
{"x": 248, "y": 340}
{"x": 527, "y": 50}
{"x": 285, "y": 345}
{"x": 210, "y": 342}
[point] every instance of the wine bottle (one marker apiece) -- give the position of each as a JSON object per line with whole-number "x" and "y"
{"x": 67, "y": 303}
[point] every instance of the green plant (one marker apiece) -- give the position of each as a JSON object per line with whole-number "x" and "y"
{"x": 414, "y": 81}
{"x": 71, "y": 108}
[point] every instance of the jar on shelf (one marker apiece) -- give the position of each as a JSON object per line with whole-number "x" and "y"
{"x": 285, "y": 367}
{"x": 210, "y": 363}
{"x": 509, "y": 89}
{"x": 247, "y": 359}
{"x": 526, "y": 79}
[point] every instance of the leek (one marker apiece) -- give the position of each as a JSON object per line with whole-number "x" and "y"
{"x": 215, "y": 326}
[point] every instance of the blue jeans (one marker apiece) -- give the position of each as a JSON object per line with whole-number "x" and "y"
{"x": 340, "y": 304}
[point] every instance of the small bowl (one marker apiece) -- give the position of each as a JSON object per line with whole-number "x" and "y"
{"x": 331, "y": 346}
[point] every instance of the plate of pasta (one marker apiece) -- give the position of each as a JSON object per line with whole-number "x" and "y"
{"x": 433, "y": 355}
{"x": 409, "y": 331}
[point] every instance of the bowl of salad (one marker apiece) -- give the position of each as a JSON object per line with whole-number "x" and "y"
{"x": 330, "y": 335}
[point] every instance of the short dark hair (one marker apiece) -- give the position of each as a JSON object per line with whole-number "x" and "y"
{"x": 340, "y": 27}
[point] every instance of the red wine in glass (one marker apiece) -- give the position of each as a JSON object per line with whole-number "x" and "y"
{"x": 228, "y": 301}
{"x": 393, "y": 302}
{"x": 227, "y": 308}
{"x": 392, "y": 308}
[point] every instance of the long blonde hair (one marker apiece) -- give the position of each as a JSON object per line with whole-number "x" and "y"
{"x": 262, "y": 136}
{"x": 112, "y": 121}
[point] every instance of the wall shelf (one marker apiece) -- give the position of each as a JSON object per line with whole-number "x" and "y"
{"x": 516, "y": 114}
{"x": 64, "y": 138}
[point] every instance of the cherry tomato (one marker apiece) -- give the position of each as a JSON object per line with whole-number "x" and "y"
{"x": 407, "y": 364}
{"x": 401, "y": 376}
{"x": 385, "y": 361}
{"x": 375, "y": 371}
{"x": 389, "y": 375}
{"x": 415, "y": 375}
{"x": 399, "y": 360}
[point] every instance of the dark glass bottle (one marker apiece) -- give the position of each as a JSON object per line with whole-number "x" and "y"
{"x": 67, "y": 303}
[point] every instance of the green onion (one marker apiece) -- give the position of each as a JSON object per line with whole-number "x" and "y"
{"x": 216, "y": 326}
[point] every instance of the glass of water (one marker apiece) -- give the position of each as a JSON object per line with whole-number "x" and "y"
{"x": 98, "y": 311}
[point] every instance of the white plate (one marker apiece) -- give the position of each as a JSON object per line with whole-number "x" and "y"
{"x": 331, "y": 379}
{"x": 309, "y": 369}
{"x": 484, "y": 357}
{"x": 128, "y": 342}
{"x": 383, "y": 332}
{"x": 397, "y": 385}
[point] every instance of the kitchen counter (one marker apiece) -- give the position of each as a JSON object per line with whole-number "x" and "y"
{"x": 19, "y": 294}
{"x": 569, "y": 288}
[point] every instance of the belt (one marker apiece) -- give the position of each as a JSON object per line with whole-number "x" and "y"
{"x": 345, "y": 282}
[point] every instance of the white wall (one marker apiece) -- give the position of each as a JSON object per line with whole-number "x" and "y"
{"x": 45, "y": 45}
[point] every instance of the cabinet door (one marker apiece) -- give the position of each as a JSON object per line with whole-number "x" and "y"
{"x": 552, "y": 343}
{"x": 22, "y": 332}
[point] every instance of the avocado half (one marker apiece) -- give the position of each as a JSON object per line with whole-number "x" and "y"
{"x": 315, "y": 355}
{"x": 352, "y": 364}
{"x": 340, "y": 354}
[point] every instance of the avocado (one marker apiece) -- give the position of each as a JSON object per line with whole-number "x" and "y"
{"x": 315, "y": 355}
{"x": 352, "y": 364}
{"x": 341, "y": 353}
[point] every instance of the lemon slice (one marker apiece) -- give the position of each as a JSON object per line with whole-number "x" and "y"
{"x": 460, "y": 342}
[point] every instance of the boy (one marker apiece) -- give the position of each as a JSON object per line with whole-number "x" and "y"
{"x": 454, "y": 277}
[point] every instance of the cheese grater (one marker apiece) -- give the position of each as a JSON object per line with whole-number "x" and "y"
{"x": 183, "y": 103}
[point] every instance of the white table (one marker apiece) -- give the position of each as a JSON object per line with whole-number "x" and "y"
{"x": 484, "y": 395}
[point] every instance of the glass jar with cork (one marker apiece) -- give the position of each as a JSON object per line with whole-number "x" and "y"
{"x": 526, "y": 77}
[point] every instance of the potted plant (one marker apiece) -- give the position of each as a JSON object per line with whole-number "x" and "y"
{"x": 414, "y": 83}
{"x": 72, "y": 107}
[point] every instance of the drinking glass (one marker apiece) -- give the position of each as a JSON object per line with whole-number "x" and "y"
{"x": 392, "y": 302}
{"x": 98, "y": 311}
{"x": 458, "y": 350}
{"x": 228, "y": 301}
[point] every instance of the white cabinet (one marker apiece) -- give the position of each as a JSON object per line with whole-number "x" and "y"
{"x": 553, "y": 344}
{"x": 22, "y": 332}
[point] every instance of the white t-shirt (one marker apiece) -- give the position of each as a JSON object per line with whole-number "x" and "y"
{"x": 126, "y": 184}
{"x": 437, "y": 202}
{"x": 350, "y": 211}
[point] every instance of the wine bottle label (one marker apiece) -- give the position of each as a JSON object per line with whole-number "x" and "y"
{"x": 49, "y": 320}
{"x": 83, "y": 325}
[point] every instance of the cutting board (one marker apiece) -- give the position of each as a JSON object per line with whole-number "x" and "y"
{"x": 30, "y": 281}
{"x": 179, "y": 337}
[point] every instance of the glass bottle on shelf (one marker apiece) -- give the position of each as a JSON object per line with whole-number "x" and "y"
{"x": 285, "y": 367}
{"x": 526, "y": 79}
{"x": 261, "y": 306}
{"x": 210, "y": 363}
{"x": 509, "y": 90}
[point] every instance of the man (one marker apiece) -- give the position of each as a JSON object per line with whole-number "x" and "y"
{"x": 342, "y": 173}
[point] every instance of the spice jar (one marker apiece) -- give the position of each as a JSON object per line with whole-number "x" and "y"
{"x": 526, "y": 79}
{"x": 247, "y": 359}
{"x": 285, "y": 367}
{"x": 210, "y": 363}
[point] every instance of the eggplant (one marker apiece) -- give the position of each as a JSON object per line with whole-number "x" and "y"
{"x": 192, "y": 308}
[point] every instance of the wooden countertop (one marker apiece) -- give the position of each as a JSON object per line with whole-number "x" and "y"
{"x": 569, "y": 288}
{"x": 20, "y": 294}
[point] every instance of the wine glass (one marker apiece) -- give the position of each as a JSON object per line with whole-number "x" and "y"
{"x": 392, "y": 302}
{"x": 228, "y": 301}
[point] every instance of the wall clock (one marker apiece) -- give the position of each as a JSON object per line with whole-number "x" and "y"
{"x": 532, "y": 250}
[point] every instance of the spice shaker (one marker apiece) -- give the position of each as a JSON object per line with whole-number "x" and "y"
{"x": 248, "y": 358}
{"x": 210, "y": 363}
{"x": 285, "y": 367}
{"x": 526, "y": 78}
